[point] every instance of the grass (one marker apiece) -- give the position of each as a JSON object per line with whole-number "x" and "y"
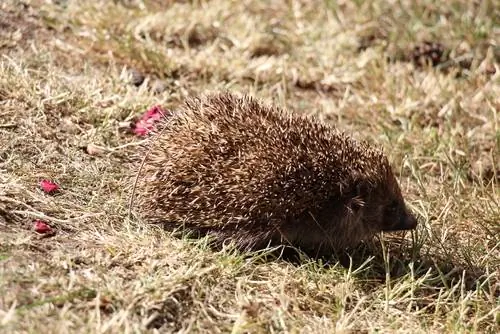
{"x": 63, "y": 87}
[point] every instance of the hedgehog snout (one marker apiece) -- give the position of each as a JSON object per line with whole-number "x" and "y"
{"x": 407, "y": 221}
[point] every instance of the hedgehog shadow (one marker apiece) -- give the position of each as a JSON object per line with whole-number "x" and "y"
{"x": 397, "y": 257}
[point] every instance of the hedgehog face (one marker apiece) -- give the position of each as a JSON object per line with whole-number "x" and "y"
{"x": 396, "y": 217}
{"x": 384, "y": 209}
{"x": 387, "y": 213}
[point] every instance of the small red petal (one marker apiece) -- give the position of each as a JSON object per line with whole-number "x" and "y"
{"x": 148, "y": 120}
{"x": 141, "y": 128}
{"x": 48, "y": 186}
{"x": 41, "y": 227}
{"x": 140, "y": 131}
{"x": 155, "y": 112}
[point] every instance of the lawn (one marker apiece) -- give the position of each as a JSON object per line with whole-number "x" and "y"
{"x": 421, "y": 79}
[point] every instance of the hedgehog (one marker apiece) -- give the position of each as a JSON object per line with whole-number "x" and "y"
{"x": 255, "y": 175}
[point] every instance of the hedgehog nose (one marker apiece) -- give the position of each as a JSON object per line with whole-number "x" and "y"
{"x": 407, "y": 222}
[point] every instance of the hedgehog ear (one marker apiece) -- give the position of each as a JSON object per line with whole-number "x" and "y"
{"x": 361, "y": 188}
{"x": 357, "y": 197}
{"x": 356, "y": 203}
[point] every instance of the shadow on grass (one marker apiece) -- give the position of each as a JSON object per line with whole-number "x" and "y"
{"x": 376, "y": 261}
{"x": 390, "y": 258}
{"x": 381, "y": 258}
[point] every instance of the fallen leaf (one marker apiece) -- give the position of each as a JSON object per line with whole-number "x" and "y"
{"x": 48, "y": 186}
{"x": 125, "y": 125}
{"x": 95, "y": 150}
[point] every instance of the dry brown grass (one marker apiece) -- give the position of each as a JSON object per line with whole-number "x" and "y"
{"x": 63, "y": 86}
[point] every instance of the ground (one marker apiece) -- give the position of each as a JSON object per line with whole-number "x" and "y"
{"x": 75, "y": 74}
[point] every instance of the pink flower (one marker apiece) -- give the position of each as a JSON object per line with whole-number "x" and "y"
{"x": 41, "y": 227}
{"x": 147, "y": 122}
{"x": 48, "y": 186}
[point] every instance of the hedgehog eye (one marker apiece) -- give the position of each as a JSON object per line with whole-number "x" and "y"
{"x": 359, "y": 190}
{"x": 393, "y": 207}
